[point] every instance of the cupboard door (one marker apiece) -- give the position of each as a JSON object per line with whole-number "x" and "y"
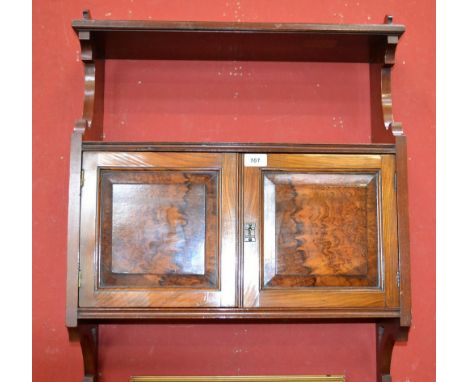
{"x": 320, "y": 232}
{"x": 158, "y": 230}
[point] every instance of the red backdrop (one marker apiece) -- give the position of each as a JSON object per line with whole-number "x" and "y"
{"x": 228, "y": 101}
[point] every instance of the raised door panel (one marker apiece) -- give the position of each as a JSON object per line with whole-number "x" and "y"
{"x": 320, "y": 229}
{"x": 158, "y": 230}
{"x": 326, "y": 232}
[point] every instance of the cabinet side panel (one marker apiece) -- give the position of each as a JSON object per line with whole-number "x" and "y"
{"x": 73, "y": 229}
{"x": 403, "y": 230}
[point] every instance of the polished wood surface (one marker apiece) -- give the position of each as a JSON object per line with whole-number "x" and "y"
{"x": 341, "y": 171}
{"x": 89, "y": 342}
{"x": 387, "y": 332}
{"x": 93, "y": 97}
{"x": 159, "y": 229}
{"x": 297, "y": 260}
{"x": 403, "y": 230}
{"x": 87, "y": 24}
{"x": 73, "y": 242}
{"x": 237, "y": 147}
{"x": 310, "y": 173}
{"x": 176, "y": 40}
{"x": 380, "y": 75}
{"x": 154, "y": 227}
{"x": 236, "y": 314}
{"x": 167, "y": 236}
{"x": 320, "y": 229}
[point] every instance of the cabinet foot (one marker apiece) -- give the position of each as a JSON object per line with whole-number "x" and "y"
{"x": 387, "y": 332}
{"x": 89, "y": 335}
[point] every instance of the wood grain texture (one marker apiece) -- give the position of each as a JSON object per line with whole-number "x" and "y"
{"x": 146, "y": 39}
{"x": 89, "y": 342}
{"x": 93, "y": 101}
{"x": 286, "y": 148}
{"x": 389, "y": 232}
{"x": 87, "y": 24}
{"x": 403, "y": 230}
{"x": 382, "y": 294}
{"x": 324, "y": 162}
{"x": 73, "y": 242}
{"x": 324, "y": 229}
{"x": 382, "y": 113}
{"x": 328, "y": 242}
{"x": 382, "y": 297}
{"x": 159, "y": 229}
{"x": 382, "y": 120}
{"x": 164, "y": 167}
{"x": 238, "y": 314}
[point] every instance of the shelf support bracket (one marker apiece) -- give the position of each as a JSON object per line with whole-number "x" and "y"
{"x": 387, "y": 333}
{"x": 89, "y": 338}
{"x": 381, "y": 91}
{"x": 93, "y": 103}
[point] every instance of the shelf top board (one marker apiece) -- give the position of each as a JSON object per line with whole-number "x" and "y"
{"x": 197, "y": 40}
{"x": 235, "y": 27}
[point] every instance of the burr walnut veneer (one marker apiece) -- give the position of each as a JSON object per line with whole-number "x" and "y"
{"x": 185, "y": 231}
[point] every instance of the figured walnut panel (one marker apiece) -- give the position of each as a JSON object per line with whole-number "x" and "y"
{"x": 159, "y": 229}
{"x": 321, "y": 230}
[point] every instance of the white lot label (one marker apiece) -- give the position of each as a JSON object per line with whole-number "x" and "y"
{"x": 255, "y": 160}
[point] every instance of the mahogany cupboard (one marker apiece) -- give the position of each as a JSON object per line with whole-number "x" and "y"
{"x": 237, "y": 231}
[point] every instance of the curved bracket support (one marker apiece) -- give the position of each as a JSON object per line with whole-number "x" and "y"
{"x": 381, "y": 92}
{"x": 89, "y": 338}
{"x": 386, "y": 96}
{"x": 93, "y": 103}
{"x": 387, "y": 333}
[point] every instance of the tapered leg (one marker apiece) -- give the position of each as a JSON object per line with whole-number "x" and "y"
{"x": 89, "y": 335}
{"x": 387, "y": 332}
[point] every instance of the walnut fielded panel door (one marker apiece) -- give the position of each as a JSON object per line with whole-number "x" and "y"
{"x": 326, "y": 232}
{"x": 158, "y": 230}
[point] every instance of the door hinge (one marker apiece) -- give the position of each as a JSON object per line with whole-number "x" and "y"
{"x": 82, "y": 178}
{"x": 398, "y": 279}
{"x": 79, "y": 279}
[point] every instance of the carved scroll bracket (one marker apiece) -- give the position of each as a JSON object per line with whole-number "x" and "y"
{"x": 93, "y": 86}
{"x": 381, "y": 92}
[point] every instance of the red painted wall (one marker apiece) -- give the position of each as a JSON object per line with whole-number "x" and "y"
{"x": 228, "y": 101}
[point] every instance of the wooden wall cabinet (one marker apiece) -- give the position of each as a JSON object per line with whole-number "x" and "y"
{"x": 203, "y": 232}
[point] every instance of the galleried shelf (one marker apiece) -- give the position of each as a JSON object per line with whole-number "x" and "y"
{"x": 234, "y": 231}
